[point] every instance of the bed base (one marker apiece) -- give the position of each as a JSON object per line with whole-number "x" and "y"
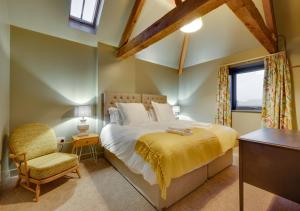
{"x": 179, "y": 187}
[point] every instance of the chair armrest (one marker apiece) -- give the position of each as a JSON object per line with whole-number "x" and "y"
{"x": 18, "y": 157}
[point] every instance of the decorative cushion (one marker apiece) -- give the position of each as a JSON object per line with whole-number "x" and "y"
{"x": 33, "y": 139}
{"x": 115, "y": 116}
{"x": 50, "y": 165}
{"x": 152, "y": 115}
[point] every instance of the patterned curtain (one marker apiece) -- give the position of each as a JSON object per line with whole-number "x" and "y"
{"x": 277, "y": 100}
{"x": 223, "y": 116}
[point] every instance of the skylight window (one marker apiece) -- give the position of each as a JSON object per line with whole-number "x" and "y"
{"x": 85, "y": 11}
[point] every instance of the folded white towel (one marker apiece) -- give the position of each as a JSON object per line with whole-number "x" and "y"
{"x": 186, "y": 132}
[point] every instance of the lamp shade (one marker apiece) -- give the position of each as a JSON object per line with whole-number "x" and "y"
{"x": 176, "y": 109}
{"x": 83, "y": 111}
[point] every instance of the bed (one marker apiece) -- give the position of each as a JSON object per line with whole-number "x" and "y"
{"x": 136, "y": 170}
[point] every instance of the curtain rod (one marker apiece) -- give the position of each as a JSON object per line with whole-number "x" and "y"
{"x": 252, "y": 59}
{"x": 257, "y": 58}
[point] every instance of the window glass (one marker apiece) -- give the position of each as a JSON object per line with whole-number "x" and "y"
{"x": 84, "y": 11}
{"x": 249, "y": 89}
{"x": 246, "y": 88}
{"x": 76, "y": 8}
{"x": 89, "y": 10}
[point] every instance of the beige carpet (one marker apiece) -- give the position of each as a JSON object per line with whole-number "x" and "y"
{"x": 103, "y": 188}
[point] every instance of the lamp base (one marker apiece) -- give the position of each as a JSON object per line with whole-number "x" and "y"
{"x": 82, "y": 134}
{"x": 83, "y": 129}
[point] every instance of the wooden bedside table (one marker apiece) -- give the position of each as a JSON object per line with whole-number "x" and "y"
{"x": 90, "y": 141}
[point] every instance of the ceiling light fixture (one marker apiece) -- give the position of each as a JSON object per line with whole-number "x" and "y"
{"x": 194, "y": 26}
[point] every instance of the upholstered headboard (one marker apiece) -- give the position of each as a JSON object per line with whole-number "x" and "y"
{"x": 146, "y": 100}
{"x": 110, "y": 100}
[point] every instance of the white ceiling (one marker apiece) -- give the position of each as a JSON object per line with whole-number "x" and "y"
{"x": 222, "y": 34}
{"x": 226, "y": 36}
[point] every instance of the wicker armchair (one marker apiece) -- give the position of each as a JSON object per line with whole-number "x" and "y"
{"x": 34, "y": 151}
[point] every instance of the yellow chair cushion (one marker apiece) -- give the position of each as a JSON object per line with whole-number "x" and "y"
{"x": 50, "y": 165}
{"x": 33, "y": 139}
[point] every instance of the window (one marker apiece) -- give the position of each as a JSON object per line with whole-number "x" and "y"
{"x": 85, "y": 13}
{"x": 247, "y": 86}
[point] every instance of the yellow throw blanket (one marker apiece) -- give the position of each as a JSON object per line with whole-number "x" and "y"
{"x": 171, "y": 155}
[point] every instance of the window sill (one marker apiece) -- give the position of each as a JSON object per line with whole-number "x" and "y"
{"x": 83, "y": 27}
{"x": 247, "y": 111}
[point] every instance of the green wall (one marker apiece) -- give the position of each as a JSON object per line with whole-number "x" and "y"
{"x": 49, "y": 77}
{"x": 198, "y": 84}
{"x": 4, "y": 88}
{"x": 198, "y": 89}
{"x": 134, "y": 75}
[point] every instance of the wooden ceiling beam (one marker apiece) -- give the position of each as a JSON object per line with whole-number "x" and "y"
{"x": 247, "y": 12}
{"x": 135, "y": 13}
{"x": 270, "y": 17}
{"x": 183, "y": 54}
{"x": 178, "y": 2}
{"x": 185, "y": 46}
{"x": 186, "y": 12}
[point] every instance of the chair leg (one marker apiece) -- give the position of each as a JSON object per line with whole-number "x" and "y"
{"x": 37, "y": 192}
{"x": 78, "y": 173}
{"x": 27, "y": 181}
{"x": 18, "y": 182}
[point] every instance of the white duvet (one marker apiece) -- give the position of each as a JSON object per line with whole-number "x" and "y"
{"x": 121, "y": 140}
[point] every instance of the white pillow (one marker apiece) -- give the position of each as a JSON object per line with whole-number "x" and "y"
{"x": 163, "y": 112}
{"x": 115, "y": 116}
{"x": 133, "y": 113}
{"x": 152, "y": 116}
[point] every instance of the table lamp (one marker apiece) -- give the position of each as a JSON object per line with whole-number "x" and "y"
{"x": 83, "y": 111}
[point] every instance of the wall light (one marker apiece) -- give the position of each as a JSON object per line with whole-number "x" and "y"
{"x": 194, "y": 26}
